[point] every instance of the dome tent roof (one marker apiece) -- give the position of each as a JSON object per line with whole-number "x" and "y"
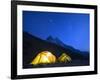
{"x": 44, "y": 57}
{"x": 64, "y": 58}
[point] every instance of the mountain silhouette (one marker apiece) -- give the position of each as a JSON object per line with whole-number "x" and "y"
{"x": 33, "y": 45}
{"x": 59, "y": 42}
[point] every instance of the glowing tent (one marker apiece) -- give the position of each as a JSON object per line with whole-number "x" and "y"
{"x": 64, "y": 58}
{"x": 44, "y": 57}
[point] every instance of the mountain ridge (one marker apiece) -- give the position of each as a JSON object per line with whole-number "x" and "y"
{"x": 33, "y": 45}
{"x": 60, "y": 43}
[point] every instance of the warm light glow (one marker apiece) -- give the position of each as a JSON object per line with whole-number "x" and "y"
{"x": 44, "y": 58}
{"x": 64, "y": 58}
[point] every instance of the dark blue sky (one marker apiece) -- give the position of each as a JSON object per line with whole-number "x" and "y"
{"x": 71, "y": 28}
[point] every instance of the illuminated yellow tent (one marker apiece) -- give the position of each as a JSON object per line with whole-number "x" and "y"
{"x": 44, "y": 57}
{"x": 64, "y": 58}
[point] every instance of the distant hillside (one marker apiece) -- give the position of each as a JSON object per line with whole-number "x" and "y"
{"x": 33, "y": 45}
{"x": 58, "y": 42}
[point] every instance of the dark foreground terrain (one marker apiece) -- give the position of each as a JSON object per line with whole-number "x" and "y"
{"x": 72, "y": 63}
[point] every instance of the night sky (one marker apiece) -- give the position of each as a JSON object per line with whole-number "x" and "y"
{"x": 71, "y": 28}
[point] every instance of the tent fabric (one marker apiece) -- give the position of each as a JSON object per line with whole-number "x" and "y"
{"x": 44, "y": 57}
